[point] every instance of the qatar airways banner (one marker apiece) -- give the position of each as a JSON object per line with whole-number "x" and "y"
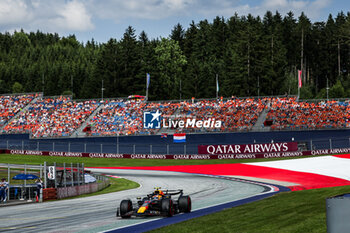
{"x": 247, "y": 148}
{"x": 183, "y": 157}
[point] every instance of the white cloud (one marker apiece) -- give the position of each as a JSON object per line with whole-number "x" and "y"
{"x": 73, "y": 16}
{"x": 13, "y": 12}
{"x": 275, "y": 3}
{"x": 313, "y": 9}
{"x": 46, "y": 15}
{"x": 139, "y": 9}
{"x": 119, "y": 10}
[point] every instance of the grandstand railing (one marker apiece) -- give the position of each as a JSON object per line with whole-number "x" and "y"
{"x": 265, "y": 129}
{"x": 219, "y": 98}
{"x": 24, "y": 93}
{"x": 324, "y": 100}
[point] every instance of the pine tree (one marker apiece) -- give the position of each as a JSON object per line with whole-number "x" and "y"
{"x": 129, "y": 63}
{"x": 170, "y": 62}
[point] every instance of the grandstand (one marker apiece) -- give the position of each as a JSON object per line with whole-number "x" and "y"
{"x": 290, "y": 114}
{"x": 51, "y": 117}
{"x": 10, "y": 105}
{"x": 236, "y": 114}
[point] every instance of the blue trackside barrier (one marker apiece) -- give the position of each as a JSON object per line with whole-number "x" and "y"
{"x": 155, "y": 144}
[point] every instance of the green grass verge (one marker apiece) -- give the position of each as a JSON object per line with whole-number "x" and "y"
{"x": 300, "y": 211}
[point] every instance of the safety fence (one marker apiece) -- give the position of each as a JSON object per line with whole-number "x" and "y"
{"x": 30, "y": 183}
{"x": 70, "y": 179}
{"x": 278, "y": 154}
{"x": 21, "y": 181}
{"x": 150, "y": 148}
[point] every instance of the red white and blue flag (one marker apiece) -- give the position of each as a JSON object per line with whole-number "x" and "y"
{"x": 179, "y": 137}
{"x": 299, "y": 79}
{"x": 164, "y": 135}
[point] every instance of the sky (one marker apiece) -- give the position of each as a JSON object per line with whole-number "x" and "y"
{"x": 105, "y": 19}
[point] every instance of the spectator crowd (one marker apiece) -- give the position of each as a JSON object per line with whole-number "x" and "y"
{"x": 61, "y": 116}
{"x": 290, "y": 114}
{"x": 125, "y": 117}
{"x": 235, "y": 114}
{"x": 51, "y": 117}
{"x": 10, "y": 105}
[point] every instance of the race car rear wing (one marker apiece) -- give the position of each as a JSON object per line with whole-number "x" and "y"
{"x": 170, "y": 192}
{"x": 173, "y": 192}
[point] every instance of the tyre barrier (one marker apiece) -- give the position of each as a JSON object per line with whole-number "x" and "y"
{"x": 49, "y": 194}
{"x": 63, "y": 192}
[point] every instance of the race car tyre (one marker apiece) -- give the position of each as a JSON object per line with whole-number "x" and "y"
{"x": 185, "y": 204}
{"x": 125, "y": 207}
{"x": 167, "y": 207}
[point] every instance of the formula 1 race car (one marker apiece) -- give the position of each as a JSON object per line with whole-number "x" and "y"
{"x": 157, "y": 203}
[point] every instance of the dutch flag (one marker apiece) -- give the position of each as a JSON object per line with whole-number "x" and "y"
{"x": 179, "y": 137}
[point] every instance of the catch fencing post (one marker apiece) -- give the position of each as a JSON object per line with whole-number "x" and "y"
{"x": 134, "y": 148}
{"x": 37, "y": 146}
{"x": 72, "y": 173}
{"x": 8, "y": 179}
{"x": 22, "y": 145}
{"x": 311, "y": 145}
{"x": 167, "y": 148}
{"x": 150, "y": 149}
{"x": 101, "y": 148}
{"x": 25, "y": 172}
{"x": 83, "y": 173}
{"x": 7, "y": 144}
{"x": 330, "y": 143}
{"x": 64, "y": 175}
{"x": 68, "y": 146}
{"x": 53, "y": 146}
{"x": 25, "y": 182}
{"x": 184, "y": 149}
{"x": 41, "y": 195}
{"x": 84, "y": 147}
{"x": 54, "y": 164}
{"x": 118, "y": 143}
{"x": 45, "y": 175}
{"x": 42, "y": 187}
{"x": 78, "y": 174}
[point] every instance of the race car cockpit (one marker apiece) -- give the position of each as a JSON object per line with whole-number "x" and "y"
{"x": 157, "y": 194}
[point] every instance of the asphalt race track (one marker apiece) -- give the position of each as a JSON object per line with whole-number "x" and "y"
{"x": 97, "y": 213}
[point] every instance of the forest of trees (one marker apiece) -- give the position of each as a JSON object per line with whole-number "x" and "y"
{"x": 251, "y": 55}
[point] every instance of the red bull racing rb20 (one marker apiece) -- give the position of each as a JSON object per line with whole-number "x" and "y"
{"x": 158, "y": 203}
